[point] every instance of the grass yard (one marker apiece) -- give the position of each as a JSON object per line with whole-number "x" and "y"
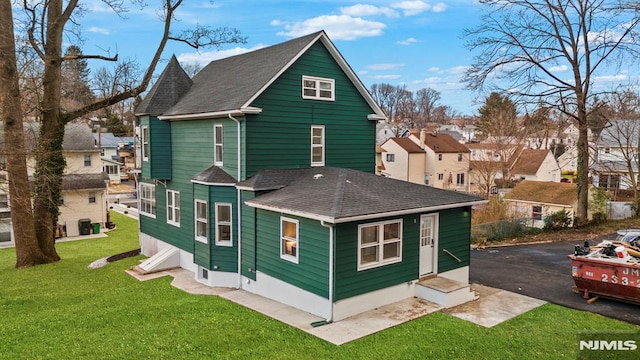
{"x": 67, "y": 311}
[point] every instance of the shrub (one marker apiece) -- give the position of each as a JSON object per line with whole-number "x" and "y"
{"x": 557, "y": 220}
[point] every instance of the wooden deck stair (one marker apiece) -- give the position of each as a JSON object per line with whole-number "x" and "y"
{"x": 444, "y": 292}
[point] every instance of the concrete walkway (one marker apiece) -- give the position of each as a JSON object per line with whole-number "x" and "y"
{"x": 493, "y": 307}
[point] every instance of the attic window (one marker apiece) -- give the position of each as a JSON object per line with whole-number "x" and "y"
{"x": 318, "y": 88}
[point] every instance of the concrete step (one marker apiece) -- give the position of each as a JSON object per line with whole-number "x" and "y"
{"x": 444, "y": 292}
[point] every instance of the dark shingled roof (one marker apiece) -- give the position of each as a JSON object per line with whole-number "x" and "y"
{"x": 444, "y": 143}
{"x": 172, "y": 84}
{"x": 407, "y": 144}
{"x": 544, "y": 192}
{"x": 78, "y": 137}
{"x": 340, "y": 195}
{"x": 229, "y": 84}
{"x": 214, "y": 175}
{"x": 529, "y": 161}
{"x": 85, "y": 181}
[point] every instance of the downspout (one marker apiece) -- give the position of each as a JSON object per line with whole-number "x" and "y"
{"x": 239, "y": 221}
{"x": 331, "y": 270}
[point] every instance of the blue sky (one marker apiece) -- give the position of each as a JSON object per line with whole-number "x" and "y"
{"x": 418, "y": 43}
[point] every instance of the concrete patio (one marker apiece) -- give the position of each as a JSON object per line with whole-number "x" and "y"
{"x": 491, "y": 308}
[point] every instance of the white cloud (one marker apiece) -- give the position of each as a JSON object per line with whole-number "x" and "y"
{"x": 412, "y": 7}
{"x": 338, "y": 27}
{"x": 385, "y": 77}
{"x": 435, "y": 69}
{"x": 559, "y": 68}
{"x": 204, "y": 58}
{"x": 439, "y": 7}
{"x": 97, "y": 30}
{"x": 378, "y": 67}
{"x": 368, "y": 10}
{"x": 408, "y": 41}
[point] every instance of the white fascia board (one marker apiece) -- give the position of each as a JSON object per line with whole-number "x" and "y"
{"x": 211, "y": 184}
{"x": 215, "y": 114}
{"x": 332, "y": 220}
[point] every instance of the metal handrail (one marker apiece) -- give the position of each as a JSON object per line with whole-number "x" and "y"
{"x": 451, "y": 254}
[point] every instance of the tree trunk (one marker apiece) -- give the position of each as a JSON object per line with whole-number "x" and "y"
{"x": 583, "y": 170}
{"x": 50, "y": 162}
{"x": 28, "y": 252}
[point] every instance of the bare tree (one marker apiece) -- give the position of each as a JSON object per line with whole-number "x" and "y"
{"x": 388, "y": 97}
{"x": 45, "y": 23}
{"x": 524, "y": 42}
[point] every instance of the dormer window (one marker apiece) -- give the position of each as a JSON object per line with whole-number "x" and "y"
{"x": 318, "y": 88}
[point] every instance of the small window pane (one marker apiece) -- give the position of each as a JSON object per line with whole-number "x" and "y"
{"x": 392, "y": 231}
{"x": 317, "y": 154}
{"x": 201, "y": 229}
{"x": 310, "y": 84}
{"x": 325, "y": 94}
{"x": 369, "y": 255}
{"x": 391, "y": 250}
{"x": 289, "y": 229}
{"x": 369, "y": 235}
{"x": 309, "y": 92}
{"x": 224, "y": 232}
{"x": 224, "y": 213}
{"x": 325, "y": 86}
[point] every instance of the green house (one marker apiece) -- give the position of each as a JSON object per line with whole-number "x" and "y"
{"x": 258, "y": 173}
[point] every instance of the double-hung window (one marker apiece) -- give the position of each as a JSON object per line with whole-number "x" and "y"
{"x": 289, "y": 249}
{"x": 173, "y": 208}
{"x": 148, "y": 200}
{"x": 317, "y": 145}
{"x": 318, "y": 88}
{"x": 223, "y": 224}
{"x": 379, "y": 244}
{"x": 145, "y": 143}
{"x": 92, "y": 197}
{"x": 201, "y": 221}
{"x": 87, "y": 160}
{"x": 536, "y": 212}
{"x": 218, "y": 145}
{"x": 460, "y": 179}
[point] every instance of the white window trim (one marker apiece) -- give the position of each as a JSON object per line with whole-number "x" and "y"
{"x": 380, "y": 245}
{"x": 318, "y": 80}
{"x": 218, "y": 128}
{"x": 202, "y": 239}
{"x": 144, "y": 134}
{"x": 173, "y": 209}
{"x": 86, "y": 158}
{"x": 321, "y": 145}
{"x": 95, "y": 197}
{"x": 230, "y": 223}
{"x": 153, "y": 201}
{"x": 293, "y": 259}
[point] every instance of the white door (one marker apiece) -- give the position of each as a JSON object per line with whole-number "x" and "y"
{"x": 428, "y": 241}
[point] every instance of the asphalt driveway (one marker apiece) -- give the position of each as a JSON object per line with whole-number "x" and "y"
{"x": 542, "y": 271}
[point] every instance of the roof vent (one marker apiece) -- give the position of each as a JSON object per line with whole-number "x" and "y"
{"x": 317, "y": 176}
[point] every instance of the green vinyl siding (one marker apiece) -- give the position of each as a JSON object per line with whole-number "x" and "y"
{"x": 248, "y": 236}
{"x": 159, "y": 164}
{"x": 351, "y": 282}
{"x": 311, "y": 273}
{"x": 191, "y": 153}
{"x": 202, "y": 252}
{"x": 454, "y": 231}
{"x": 279, "y": 137}
{"x": 224, "y": 258}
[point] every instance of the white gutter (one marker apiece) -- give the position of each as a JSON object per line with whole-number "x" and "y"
{"x": 239, "y": 221}
{"x": 331, "y": 270}
{"x": 333, "y": 220}
{"x": 214, "y": 114}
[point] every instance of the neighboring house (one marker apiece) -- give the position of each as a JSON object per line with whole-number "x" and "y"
{"x": 253, "y": 178}
{"x": 537, "y": 200}
{"x": 116, "y": 148}
{"x": 469, "y": 132}
{"x": 112, "y": 169}
{"x": 379, "y": 163}
{"x": 84, "y": 195}
{"x": 84, "y": 185}
{"x": 616, "y": 154}
{"x": 537, "y": 165}
{"x": 490, "y": 162}
{"x": 447, "y": 160}
{"x": 404, "y": 160}
{"x": 432, "y": 159}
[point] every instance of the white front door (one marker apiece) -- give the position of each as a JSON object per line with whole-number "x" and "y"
{"x": 428, "y": 242}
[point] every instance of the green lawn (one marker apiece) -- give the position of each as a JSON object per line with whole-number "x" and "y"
{"x": 67, "y": 311}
